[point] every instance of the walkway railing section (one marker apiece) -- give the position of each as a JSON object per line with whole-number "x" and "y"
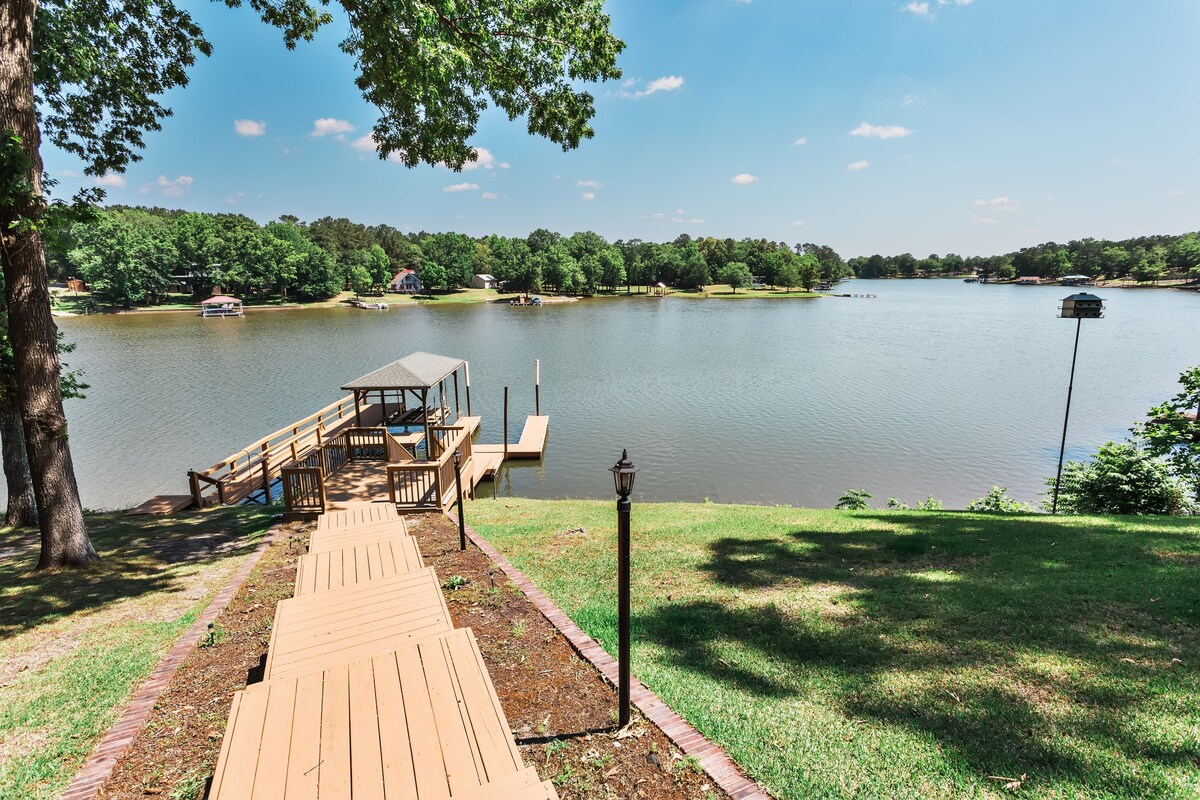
{"x": 253, "y": 468}
{"x": 430, "y": 484}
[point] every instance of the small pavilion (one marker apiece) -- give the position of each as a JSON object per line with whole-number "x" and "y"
{"x": 221, "y": 306}
{"x": 417, "y": 373}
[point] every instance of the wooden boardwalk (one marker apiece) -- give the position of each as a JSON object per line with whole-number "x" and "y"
{"x": 532, "y": 443}
{"x": 368, "y": 690}
{"x": 318, "y": 631}
{"x": 420, "y": 722}
{"x": 351, "y": 566}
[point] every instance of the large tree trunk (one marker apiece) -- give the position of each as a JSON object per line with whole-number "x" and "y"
{"x": 22, "y": 509}
{"x": 31, "y": 328}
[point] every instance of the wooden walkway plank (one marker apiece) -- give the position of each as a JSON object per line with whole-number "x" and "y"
{"x": 270, "y": 779}
{"x": 304, "y": 762}
{"x": 500, "y": 754}
{"x": 318, "y": 631}
{"x": 334, "y": 569}
{"x": 357, "y": 514}
{"x": 366, "y": 764}
{"x": 339, "y": 539}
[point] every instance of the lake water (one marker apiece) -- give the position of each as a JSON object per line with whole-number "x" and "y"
{"x": 933, "y": 387}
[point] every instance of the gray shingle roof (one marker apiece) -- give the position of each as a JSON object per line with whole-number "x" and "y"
{"x": 416, "y": 371}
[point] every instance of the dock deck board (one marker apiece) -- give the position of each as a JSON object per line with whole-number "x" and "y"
{"x": 314, "y": 632}
{"x": 163, "y": 504}
{"x": 532, "y": 443}
{"x": 419, "y": 722}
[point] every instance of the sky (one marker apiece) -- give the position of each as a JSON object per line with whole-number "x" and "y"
{"x": 873, "y": 126}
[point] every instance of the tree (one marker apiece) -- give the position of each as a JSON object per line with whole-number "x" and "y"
{"x": 808, "y": 270}
{"x": 432, "y": 275}
{"x": 89, "y": 76}
{"x": 1152, "y": 266}
{"x": 693, "y": 273}
{"x": 736, "y": 274}
{"x": 854, "y": 500}
{"x": 1121, "y": 478}
{"x": 1172, "y": 431}
{"x": 997, "y": 501}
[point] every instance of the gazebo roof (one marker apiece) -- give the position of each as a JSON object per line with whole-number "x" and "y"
{"x": 415, "y": 371}
{"x": 220, "y": 299}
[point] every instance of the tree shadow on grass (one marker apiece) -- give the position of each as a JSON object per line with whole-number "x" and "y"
{"x": 138, "y": 555}
{"x": 1021, "y": 644}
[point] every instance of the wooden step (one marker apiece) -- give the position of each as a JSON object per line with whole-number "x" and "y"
{"x": 338, "y": 538}
{"x": 318, "y": 631}
{"x": 357, "y": 514}
{"x": 358, "y": 564}
{"x": 421, "y": 722}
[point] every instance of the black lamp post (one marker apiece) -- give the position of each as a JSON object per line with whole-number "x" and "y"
{"x": 1078, "y": 307}
{"x": 623, "y": 472}
{"x": 462, "y": 525}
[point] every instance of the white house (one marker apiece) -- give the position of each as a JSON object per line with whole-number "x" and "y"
{"x": 406, "y": 282}
{"x": 485, "y": 282}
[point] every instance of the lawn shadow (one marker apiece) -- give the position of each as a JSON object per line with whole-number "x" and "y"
{"x": 137, "y": 555}
{"x": 1020, "y": 644}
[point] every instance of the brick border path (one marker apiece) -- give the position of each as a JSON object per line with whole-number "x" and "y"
{"x": 719, "y": 767}
{"x": 100, "y": 764}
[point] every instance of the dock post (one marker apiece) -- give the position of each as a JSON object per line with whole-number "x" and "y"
{"x": 467, "y": 370}
{"x": 537, "y": 382}
{"x": 506, "y": 423}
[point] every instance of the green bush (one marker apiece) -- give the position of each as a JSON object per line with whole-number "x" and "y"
{"x": 1121, "y": 478}
{"x": 853, "y": 500}
{"x": 997, "y": 501}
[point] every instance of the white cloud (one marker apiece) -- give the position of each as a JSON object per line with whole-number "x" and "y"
{"x": 110, "y": 179}
{"x": 489, "y": 195}
{"x": 982, "y": 221}
{"x": 1004, "y": 203}
{"x": 656, "y": 215}
{"x": 590, "y": 184}
{"x": 667, "y": 83}
{"x": 744, "y": 179}
{"x": 234, "y": 198}
{"x": 801, "y": 140}
{"x": 462, "y": 187}
{"x": 881, "y": 131}
{"x": 170, "y": 187}
{"x": 365, "y": 143}
{"x": 920, "y": 9}
{"x": 328, "y": 125}
{"x": 912, "y": 100}
{"x": 484, "y": 159}
{"x": 249, "y": 127}
{"x": 682, "y": 221}
{"x": 680, "y": 212}
{"x": 798, "y": 223}
{"x": 1168, "y": 193}
{"x": 956, "y": 2}
{"x": 857, "y": 165}
{"x": 588, "y": 196}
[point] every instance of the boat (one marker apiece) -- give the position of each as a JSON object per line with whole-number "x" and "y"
{"x": 525, "y": 301}
{"x": 971, "y": 279}
{"x": 379, "y": 305}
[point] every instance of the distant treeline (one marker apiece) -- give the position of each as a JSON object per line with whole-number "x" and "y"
{"x": 1145, "y": 258}
{"x": 134, "y": 255}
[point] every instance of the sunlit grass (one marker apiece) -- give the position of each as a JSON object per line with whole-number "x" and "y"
{"x": 899, "y": 654}
{"x": 75, "y": 644}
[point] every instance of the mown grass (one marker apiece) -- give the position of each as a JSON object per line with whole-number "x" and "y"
{"x": 899, "y": 654}
{"x": 74, "y": 645}
{"x": 723, "y": 291}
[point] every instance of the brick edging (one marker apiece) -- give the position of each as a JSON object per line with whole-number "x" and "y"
{"x": 719, "y": 767}
{"x": 112, "y": 746}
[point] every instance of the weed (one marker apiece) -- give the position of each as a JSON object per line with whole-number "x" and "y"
{"x": 555, "y": 746}
{"x": 190, "y": 787}
{"x": 688, "y": 764}
{"x": 214, "y": 636}
{"x": 455, "y": 582}
{"x": 519, "y": 628}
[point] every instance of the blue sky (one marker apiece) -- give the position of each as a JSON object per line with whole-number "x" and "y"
{"x": 870, "y": 125}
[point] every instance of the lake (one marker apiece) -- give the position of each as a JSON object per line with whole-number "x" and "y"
{"x": 932, "y": 387}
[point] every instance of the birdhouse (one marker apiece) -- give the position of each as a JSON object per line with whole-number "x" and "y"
{"x": 1082, "y": 306}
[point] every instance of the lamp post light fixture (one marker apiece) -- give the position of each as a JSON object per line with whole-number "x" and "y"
{"x": 1078, "y": 307}
{"x": 462, "y": 525}
{"x": 623, "y": 473}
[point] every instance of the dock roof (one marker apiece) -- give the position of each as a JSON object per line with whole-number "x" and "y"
{"x": 415, "y": 371}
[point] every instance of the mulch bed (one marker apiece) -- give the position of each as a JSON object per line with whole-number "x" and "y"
{"x": 561, "y": 710}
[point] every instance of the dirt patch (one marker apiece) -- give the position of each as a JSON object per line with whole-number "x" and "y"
{"x": 560, "y": 709}
{"x": 562, "y": 712}
{"x": 176, "y": 752}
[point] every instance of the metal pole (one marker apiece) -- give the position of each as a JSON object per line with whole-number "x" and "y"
{"x": 623, "y": 506}
{"x": 1062, "y": 447}
{"x": 505, "y": 423}
{"x": 537, "y": 383}
{"x": 462, "y": 525}
{"x": 467, "y": 371}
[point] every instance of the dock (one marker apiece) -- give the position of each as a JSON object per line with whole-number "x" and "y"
{"x": 385, "y": 443}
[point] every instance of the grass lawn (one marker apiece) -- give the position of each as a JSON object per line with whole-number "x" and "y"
{"x": 75, "y": 644}
{"x": 898, "y": 654}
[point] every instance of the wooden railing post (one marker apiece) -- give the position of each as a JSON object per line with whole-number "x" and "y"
{"x": 266, "y": 474}
{"x": 194, "y": 480}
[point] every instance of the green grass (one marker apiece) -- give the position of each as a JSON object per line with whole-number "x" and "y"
{"x": 74, "y": 645}
{"x": 723, "y": 291}
{"x": 899, "y": 654}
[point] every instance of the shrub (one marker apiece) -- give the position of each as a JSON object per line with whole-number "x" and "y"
{"x": 853, "y": 500}
{"x": 930, "y": 503}
{"x": 896, "y": 504}
{"x": 997, "y": 501}
{"x": 1121, "y": 478}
